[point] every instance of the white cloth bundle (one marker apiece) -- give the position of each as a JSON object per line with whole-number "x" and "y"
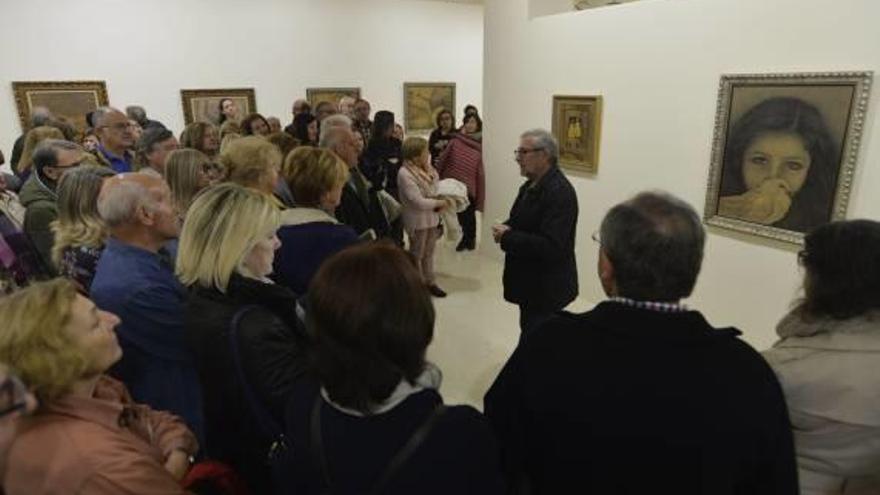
{"x": 455, "y": 191}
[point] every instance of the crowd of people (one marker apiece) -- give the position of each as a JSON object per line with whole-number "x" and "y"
{"x": 232, "y": 311}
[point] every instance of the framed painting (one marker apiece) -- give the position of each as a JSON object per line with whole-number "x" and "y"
{"x": 423, "y": 101}
{"x": 784, "y": 151}
{"x": 69, "y": 99}
{"x": 577, "y": 126}
{"x": 332, "y": 95}
{"x": 203, "y": 105}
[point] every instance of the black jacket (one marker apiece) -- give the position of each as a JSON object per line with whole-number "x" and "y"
{"x": 540, "y": 271}
{"x": 362, "y": 215}
{"x": 627, "y": 400}
{"x": 382, "y": 162}
{"x": 272, "y": 347}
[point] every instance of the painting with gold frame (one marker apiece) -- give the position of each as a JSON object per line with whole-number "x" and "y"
{"x": 423, "y": 101}
{"x": 784, "y": 151}
{"x": 332, "y": 95}
{"x": 203, "y": 105}
{"x": 69, "y": 99}
{"x": 577, "y": 125}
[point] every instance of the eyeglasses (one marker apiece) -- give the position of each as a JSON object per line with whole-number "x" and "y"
{"x": 72, "y": 165}
{"x": 525, "y": 151}
{"x": 13, "y": 396}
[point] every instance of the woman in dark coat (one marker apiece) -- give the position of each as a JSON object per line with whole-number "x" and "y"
{"x": 225, "y": 256}
{"x": 373, "y": 421}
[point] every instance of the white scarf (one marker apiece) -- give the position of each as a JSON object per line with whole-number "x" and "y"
{"x": 429, "y": 379}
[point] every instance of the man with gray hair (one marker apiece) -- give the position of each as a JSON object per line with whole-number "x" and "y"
{"x": 134, "y": 279}
{"x": 139, "y": 115}
{"x": 117, "y": 139}
{"x": 40, "y": 116}
{"x": 52, "y": 159}
{"x": 540, "y": 273}
{"x": 642, "y": 394}
{"x": 359, "y": 206}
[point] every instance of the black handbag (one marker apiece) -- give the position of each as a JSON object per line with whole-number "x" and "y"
{"x": 278, "y": 454}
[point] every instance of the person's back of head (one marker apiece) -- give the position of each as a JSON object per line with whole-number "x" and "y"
{"x": 32, "y": 141}
{"x": 364, "y": 347}
{"x": 137, "y": 209}
{"x": 222, "y": 226}
{"x": 312, "y": 173}
{"x": 337, "y": 120}
{"x": 136, "y": 113}
{"x": 185, "y": 172}
{"x": 383, "y": 125}
{"x": 654, "y": 243}
{"x": 79, "y": 223}
{"x": 842, "y": 262}
{"x": 301, "y": 127}
{"x": 283, "y": 141}
{"x": 253, "y": 162}
{"x": 40, "y": 116}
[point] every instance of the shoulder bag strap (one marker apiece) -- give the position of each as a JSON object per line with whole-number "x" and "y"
{"x": 265, "y": 421}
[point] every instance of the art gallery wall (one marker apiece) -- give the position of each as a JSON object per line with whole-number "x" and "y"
{"x": 148, "y": 51}
{"x": 657, "y": 65}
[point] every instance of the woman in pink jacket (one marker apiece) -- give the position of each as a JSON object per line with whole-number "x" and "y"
{"x": 463, "y": 160}
{"x": 417, "y": 184}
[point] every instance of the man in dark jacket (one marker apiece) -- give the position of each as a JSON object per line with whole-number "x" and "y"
{"x": 52, "y": 159}
{"x": 642, "y": 395}
{"x": 540, "y": 273}
{"x": 359, "y": 206}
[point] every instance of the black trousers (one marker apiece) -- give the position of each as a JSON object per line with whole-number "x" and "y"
{"x": 468, "y": 221}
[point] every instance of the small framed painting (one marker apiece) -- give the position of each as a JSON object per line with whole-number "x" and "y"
{"x": 577, "y": 125}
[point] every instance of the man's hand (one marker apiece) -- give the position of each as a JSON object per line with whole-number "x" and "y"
{"x": 177, "y": 464}
{"x": 499, "y": 230}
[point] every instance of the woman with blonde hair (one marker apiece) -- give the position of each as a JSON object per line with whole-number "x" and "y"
{"x": 242, "y": 328}
{"x": 79, "y": 231}
{"x": 417, "y": 182}
{"x": 187, "y": 172}
{"x": 202, "y": 136}
{"x": 33, "y": 139}
{"x": 252, "y": 162}
{"x": 61, "y": 345}
{"x": 310, "y": 233}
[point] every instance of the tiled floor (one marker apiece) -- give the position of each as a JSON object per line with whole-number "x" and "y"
{"x": 476, "y": 329}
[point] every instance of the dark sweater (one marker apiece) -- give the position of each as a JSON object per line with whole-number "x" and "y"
{"x": 458, "y": 456}
{"x": 626, "y": 400}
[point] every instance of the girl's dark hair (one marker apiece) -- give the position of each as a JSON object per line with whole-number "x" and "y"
{"x": 383, "y": 121}
{"x": 811, "y": 206}
{"x": 301, "y": 128}
{"x": 222, "y": 116}
{"x": 473, "y": 117}
{"x": 248, "y": 121}
{"x": 371, "y": 319}
{"x": 469, "y": 107}
{"x": 441, "y": 114}
{"x": 842, "y": 262}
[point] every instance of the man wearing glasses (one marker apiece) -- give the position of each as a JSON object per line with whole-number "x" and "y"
{"x": 117, "y": 139}
{"x": 540, "y": 273}
{"x": 52, "y": 159}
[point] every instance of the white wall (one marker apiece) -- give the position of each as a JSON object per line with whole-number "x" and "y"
{"x": 657, "y": 64}
{"x": 148, "y": 51}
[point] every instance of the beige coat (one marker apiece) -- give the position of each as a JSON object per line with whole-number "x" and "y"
{"x": 830, "y": 373}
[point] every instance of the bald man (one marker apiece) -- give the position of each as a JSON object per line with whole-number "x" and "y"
{"x": 134, "y": 279}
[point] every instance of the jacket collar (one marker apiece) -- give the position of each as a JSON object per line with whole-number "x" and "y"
{"x": 858, "y": 334}
{"x": 105, "y": 407}
{"x": 299, "y": 216}
{"x": 684, "y": 326}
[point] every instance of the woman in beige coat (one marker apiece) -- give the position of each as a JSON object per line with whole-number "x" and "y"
{"x": 828, "y": 357}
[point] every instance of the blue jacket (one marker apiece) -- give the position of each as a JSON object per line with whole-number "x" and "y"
{"x": 140, "y": 288}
